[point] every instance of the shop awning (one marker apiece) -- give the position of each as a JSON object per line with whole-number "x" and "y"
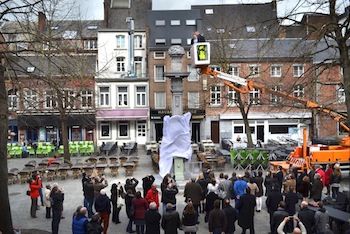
{"x": 54, "y": 120}
{"x": 117, "y": 115}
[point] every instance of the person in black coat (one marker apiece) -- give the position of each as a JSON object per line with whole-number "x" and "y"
{"x": 291, "y": 200}
{"x": 147, "y": 182}
{"x": 116, "y": 192}
{"x": 272, "y": 201}
{"x": 131, "y": 184}
{"x": 278, "y": 216}
{"x": 231, "y": 216}
{"x": 170, "y": 220}
{"x": 57, "y": 198}
{"x": 152, "y": 219}
{"x": 280, "y": 176}
{"x": 246, "y": 207}
{"x": 306, "y": 216}
{"x": 189, "y": 219}
{"x": 169, "y": 194}
{"x": 300, "y": 178}
{"x": 259, "y": 182}
{"x": 197, "y": 37}
{"x": 209, "y": 203}
{"x": 270, "y": 181}
{"x": 128, "y": 206}
{"x": 316, "y": 188}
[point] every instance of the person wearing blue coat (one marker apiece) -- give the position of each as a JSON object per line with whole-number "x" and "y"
{"x": 80, "y": 221}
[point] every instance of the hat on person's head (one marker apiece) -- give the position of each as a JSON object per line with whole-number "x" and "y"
{"x": 103, "y": 192}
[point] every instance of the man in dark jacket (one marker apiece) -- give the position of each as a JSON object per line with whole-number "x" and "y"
{"x": 94, "y": 227}
{"x": 278, "y": 216}
{"x": 272, "y": 201}
{"x": 217, "y": 221}
{"x": 193, "y": 191}
{"x": 246, "y": 207}
{"x": 80, "y": 222}
{"x": 171, "y": 220}
{"x": 306, "y": 216}
{"x": 89, "y": 196}
{"x": 57, "y": 198}
{"x": 280, "y": 177}
{"x": 231, "y": 216}
{"x": 169, "y": 194}
{"x": 103, "y": 207}
{"x": 291, "y": 200}
{"x": 152, "y": 219}
{"x": 147, "y": 182}
{"x": 316, "y": 189}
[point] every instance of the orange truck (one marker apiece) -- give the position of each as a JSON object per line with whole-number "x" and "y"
{"x": 303, "y": 156}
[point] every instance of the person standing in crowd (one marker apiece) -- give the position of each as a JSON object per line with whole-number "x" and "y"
{"x": 225, "y": 187}
{"x": 304, "y": 188}
{"x": 217, "y": 221}
{"x": 140, "y": 206}
{"x": 246, "y": 207}
{"x": 147, "y": 182}
{"x": 189, "y": 219}
{"x": 280, "y": 177}
{"x": 320, "y": 171}
{"x": 103, "y": 207}
{"x": 34, "y": 194}
{"x": 233, "y": 179}
{"x": 316, "y": 189}
{"x": 296, "y": 230}
{"x": 328, "y": 174}
{"x": 335, "y": 181}
{"x": 47, "y": 201}
{"x": 321, "y": 219}
{"x": 169, "y": 194}
{"x": 80, "y": 221}
{"x": 131, "y": 183}
{"x": 89, "y": 195}
{"x": 57, "y": 198}
{"x": 270, "y": 180}
{"x": 300, "y": 178}
{"x": 209, "y": 204}
{"x": 98, "y": 184}
{"x": 170, "y": 220}
{"x": 38, "y": 179}
{"x": 152, "y": 219}
{"x": 163, "y": 187}
{"x": 193, "y": 191}
{"x": 254, "y": 189}
{"x": 116, "y": 192}
{"x": 153, "y": 195}
{"x": 128, "y": 207}
{"x": 231, "y": 216}
{"x": 239, "y": 187}
{"x": 306, "y": 216}
{"x": 272, "y": 201}
{"x": 203, "y": 182}
{"x": 259, "y": 180}
{"x": 278, "y": 216}
{"x": 288, "y": 183}
{"x": 311, "y": 173}
{"x": 291, "y": 200}
{"x": 94, "y": 226}
{"x": 197, "y": 37}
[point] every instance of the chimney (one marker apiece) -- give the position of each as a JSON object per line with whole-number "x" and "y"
{"x": 106, "y": 9}
{"x": 274, "y": 5}
{"x": 42, "y": 22}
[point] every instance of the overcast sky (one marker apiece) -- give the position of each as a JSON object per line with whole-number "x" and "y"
{"x": 93, "y": 9}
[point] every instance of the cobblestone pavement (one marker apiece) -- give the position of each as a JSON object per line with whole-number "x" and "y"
{"x": 20, "y": 203}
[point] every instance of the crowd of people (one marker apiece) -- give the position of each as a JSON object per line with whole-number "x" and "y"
{"x": 153, "y": 209}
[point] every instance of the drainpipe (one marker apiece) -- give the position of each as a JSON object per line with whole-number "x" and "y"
{"x": 131, "y": 69}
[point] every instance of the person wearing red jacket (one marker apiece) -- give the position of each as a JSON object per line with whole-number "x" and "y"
{"x": 34, "y": 194}
{"x": 320, "y": 171}
{"x": 152, "y": 195}
{"x": 328, "y": 173}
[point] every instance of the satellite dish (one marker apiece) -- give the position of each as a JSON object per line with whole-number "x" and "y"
{"x": 120, "y": 4}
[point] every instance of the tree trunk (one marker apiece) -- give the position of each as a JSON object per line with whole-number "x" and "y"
{"x": 244, "y": 114}
{"x": 63, "y": 120}
{"x": 5, "y": 220}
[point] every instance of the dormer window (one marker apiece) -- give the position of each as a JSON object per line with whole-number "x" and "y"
{"x": 250, "y": 29}
{"x": 30, "y": 69}
{"x": 70, "y": 34}
{"x": 91, "y": 27}
{"x": 209, "y": 11}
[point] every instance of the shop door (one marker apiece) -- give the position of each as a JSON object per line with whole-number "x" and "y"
{"x": 159, "y": 131}
{"x": 215, "y": 131}
{"x": 196, "y": 136}
{"x": 260, "y": 133}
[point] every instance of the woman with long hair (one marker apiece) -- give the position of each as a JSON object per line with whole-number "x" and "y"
{"x": 129, "y": 209}
{"x": 189, "y": 219}
{"x": 335, "y": 181}
{"x": 116, "y": 192}
{"x": 140, "y": 205}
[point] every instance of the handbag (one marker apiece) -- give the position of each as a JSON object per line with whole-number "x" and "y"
{"x": 28, "y": 192}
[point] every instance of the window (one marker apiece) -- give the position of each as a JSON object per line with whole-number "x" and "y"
{"x": 298, "y": 91}
{"x": 238, "y": 129}
{"x": 30, "y": 69}
{"x": 275, "y": 99}
{"x": 175, "y": 22}
{"x": 122, "y": 96}
{"x": 159, "y": 55}
{"x": 233, "y": 70}
{"x": 232, "y": 97}
{"x": 254, "y": 70}
{"x": 254, "y": 97}
{"x": 123, "y": 130}
{"x": 160, "y": 41}
{"x": 298, "y": 70}
{"x": 50, "y": 99}
{"x": 120, "y": 42}
{"x": 120, "y": 64}
{"x": 190, "y": 22}
{"x": 160, "y": 100}
{"x": 68, "y": 98}
{"x": 193, "y": 73}
{"x": 69, "y": 34}
{"x": 341, "y": 71}
{"x": 220, "y": 30}
{"x": 138, "y": 42}
{"x": 91, "y": 27}
{"x": 340, "y": 92}
{"x": 216, "y": 68}
{"x": 90, "y": 44}
{"x": 30, "y": 99}
{"x": 12, "y": 100}
{"x": 176, "y": 41}
{"x": 104, "y": 96}
{"x": 159, "y": 73}
{"x": 209, "y": 11}
{"x": 138, "y": 66}
{"x": 193, "y": 100}
{"x": 280, "y": 129}
{"x": 276, "y": 71}
{"x": 105, "y": 129}
{"x": 250, "y": 29}
{"x": 86, "y": 98}
{"x": 141, "y": 129}
{"x": 160, "y": 22}
{"x": 141, "y": 96}
{"x": 215, "y": 95}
